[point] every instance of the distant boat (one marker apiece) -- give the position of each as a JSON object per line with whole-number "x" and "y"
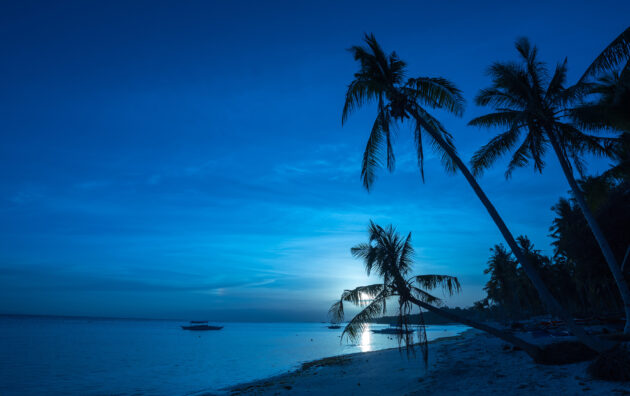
{"x": 199, "y": 325}
{"x": 334, "y": 327}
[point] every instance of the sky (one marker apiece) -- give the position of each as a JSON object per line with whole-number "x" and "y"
{"x": 187, "y": 159}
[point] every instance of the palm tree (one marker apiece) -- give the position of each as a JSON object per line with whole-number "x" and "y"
{"x": 390, "y": 256}
{"x": 381, "y": 79}
{"x": 503, "y": 286}
{"x": 527, "y": 104}
{"x": 508, "y": 287}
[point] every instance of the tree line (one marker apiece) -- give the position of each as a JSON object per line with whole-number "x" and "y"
{"x": 576, "y": 272}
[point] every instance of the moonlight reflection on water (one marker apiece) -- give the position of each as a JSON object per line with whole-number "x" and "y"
{"x": 366, "y": 340}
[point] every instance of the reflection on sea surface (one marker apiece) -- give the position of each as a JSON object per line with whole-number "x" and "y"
{"x": 366, "y": 340}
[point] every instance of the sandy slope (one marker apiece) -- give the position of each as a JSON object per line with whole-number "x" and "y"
{"x": 472, "y": 364}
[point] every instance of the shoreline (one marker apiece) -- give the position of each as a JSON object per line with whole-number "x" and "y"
{"x": 471, "y": 363}
{"x": 330, "y": 361}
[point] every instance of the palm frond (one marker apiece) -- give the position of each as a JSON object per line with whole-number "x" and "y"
{"x": 525, "y": 49}
{"x": 372, "y": 154}
{"x": 536, "y": 70}
{"x": 580, "y": 142}
{"x": 495, "y": 148}
{"x": 405, "y": 261}
{"x": 502, "y": 118}
{"x": 335, "y": 312}
{"x": 425, "y": 296}
{"x": 616, "y": 52}
{"x": 556, "y": 85}
{"x": 438, "y": 93}
{"x": 536, "y": 142}
{"x": 511, "y": 86}
{"x": 417, "y": 134}
{"x": 360, "y": 92}
{"x": 386, "y": 121}
{"x": 499, "y": 99}
{"x": 571, "y": 95}
{"x": 592, "y": 116}
{"x": 356, "y": 326}
{"x": 362, "y": 295}
{"x": 519, "y": 159}
{"x": 449, "y": 283}
{"x": 367, "y": 253}
{"x": 435, "y": 129}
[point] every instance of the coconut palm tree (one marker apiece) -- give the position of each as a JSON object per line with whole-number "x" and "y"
{"x": 533, "y": 110}
{"x": 381, "y": 79}
{"x": 390, "y": 256}
{"x": 503, "y": 286}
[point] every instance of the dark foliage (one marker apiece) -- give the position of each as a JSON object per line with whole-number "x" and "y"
{"x": 588, "y": 283}
{"x": 577, "y": 273}
{"x": 613, "y": 365}
{"x": 566, "y": 352}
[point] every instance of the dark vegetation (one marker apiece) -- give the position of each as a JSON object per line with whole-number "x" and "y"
{"x": 431, "y": 318}
{"x": 576, "y": 273}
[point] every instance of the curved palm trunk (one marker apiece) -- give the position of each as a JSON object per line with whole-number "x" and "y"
{"x": 531, "y": 349}
{"x": 622, "y": 285}
{"x": 545, "y": 295}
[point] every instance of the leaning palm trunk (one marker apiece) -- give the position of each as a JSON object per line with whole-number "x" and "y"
{"x": 531, "y": 349}
{"x": 609, "y": 256}
{"x": 545, "y": 295}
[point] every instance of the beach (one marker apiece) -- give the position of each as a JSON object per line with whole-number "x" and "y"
{"x": 470, "y": 364}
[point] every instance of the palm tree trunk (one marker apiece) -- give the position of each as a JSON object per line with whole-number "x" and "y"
{"x": 547, "y": 298}
{"x": 531, "y": 349}
{"x": 622, "y": 285}
{"x": 404, "y": 292}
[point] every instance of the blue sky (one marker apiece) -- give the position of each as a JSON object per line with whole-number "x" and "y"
{"x": 187, "y": 160}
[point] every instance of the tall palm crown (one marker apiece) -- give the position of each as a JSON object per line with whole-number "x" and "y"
{"x": 390, "y": 256}
{"x": 381, "y": 79}
{"x": 533, "y": 108}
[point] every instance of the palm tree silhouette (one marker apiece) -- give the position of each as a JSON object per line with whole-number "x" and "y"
{"x": 390, "y": 256}
{"x": 529, "y": 105}
{"x": 381, "y": 79}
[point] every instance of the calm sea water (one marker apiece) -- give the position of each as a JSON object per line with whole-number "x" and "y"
{"x": 68, "y": 356}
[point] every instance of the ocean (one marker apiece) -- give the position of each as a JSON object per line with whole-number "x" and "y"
{"x": 85, "y": 356}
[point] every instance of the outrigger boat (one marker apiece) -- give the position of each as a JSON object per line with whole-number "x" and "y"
{"x": 200, "y": 325}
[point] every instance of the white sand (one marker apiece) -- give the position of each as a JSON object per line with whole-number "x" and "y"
{"x": 471, "y": 364}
